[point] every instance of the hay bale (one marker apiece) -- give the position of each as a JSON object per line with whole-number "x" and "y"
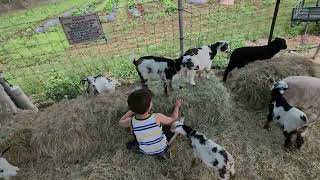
{"x": 76, "y": 131}
{"x": 251, "y": 83}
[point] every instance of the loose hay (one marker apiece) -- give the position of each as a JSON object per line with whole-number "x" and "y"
{"x": 251, "y": 84}
{"x": 81, "y": 139}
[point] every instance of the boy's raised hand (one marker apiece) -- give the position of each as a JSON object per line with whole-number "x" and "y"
{"x": 179, "y": 102}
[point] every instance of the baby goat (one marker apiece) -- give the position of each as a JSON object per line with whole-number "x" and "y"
{"x": 100, "y": 84}
{"x": 211, "y": 154}
{"x": 6, "y": 169}
{"x": 244, "y": 55}
{"x": 157, "y": 68}
{"x": 201, "y": 59}
{"x": 292, "y": 120}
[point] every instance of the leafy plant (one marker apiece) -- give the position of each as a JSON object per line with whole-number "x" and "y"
{"x": 131, "y": 4}
{"x": 60, "y": 86}
{"x": 170, "y": 6}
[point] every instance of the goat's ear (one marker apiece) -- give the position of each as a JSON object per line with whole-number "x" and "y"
{"x": 4, "y": 151}
{"x": 182, "y": 119}
{"x": 99, "y": 75}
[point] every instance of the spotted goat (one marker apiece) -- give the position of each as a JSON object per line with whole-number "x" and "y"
{"x": 6, "y": 169}
{"x": 211, "y": 154}
{"x": 293, "y": 121}
{"x": 157, "y": 68}
{"x": 199, "y": 60}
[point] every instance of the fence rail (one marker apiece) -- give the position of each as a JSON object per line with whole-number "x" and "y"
{"x": 33, "y": 46}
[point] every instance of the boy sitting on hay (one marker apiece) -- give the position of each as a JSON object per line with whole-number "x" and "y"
{"x": 150, "y": 136}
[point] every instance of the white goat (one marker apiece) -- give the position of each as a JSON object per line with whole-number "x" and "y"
{"x": 292, "y": 120}
{"x": 211, "y": 154}
{"x": 304, "y": 92}
{"x": 100, "y": 84}
{"x": 6, "y": 169}
{"x": 201, "y": 59}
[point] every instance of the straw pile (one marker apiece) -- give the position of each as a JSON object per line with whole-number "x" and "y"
{"x": 252, "y": 84}
{"x": 81, "y": 139}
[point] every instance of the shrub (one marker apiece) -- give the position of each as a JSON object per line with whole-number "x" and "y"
{"x": 61, "y": 86}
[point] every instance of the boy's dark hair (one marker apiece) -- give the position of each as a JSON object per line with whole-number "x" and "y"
{"x": 139, "y": 100}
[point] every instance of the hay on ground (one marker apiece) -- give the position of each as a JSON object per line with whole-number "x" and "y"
{"x": 252, "y": 84}
{"x": 81, "y": 139}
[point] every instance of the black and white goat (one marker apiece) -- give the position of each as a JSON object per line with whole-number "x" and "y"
{"x": 157, "y": 68}
{"x": 293, "y": 121}
{"x": 244, "y": 55}
{"x": 211, "y": 154}
{"x": 100, "y": 84}
{"x": 6, "y": 169}
{"x": 201, "y": 59}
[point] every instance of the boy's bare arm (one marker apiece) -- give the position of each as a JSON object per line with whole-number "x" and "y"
{"x": 163, "y": 119}
{"x": 125, "y": 119}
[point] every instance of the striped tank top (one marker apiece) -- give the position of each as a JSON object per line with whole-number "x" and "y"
{"x": 149, "y": 135}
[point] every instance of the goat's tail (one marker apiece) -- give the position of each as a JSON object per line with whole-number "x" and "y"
{"x": 133, "y": 58}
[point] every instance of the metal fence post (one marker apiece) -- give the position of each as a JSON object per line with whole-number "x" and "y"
{"x": 275, "y": 14}
{"x": 180, "y": 9}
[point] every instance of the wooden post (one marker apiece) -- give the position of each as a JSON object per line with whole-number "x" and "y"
{"x": 275, "y": 14}
{"x": 21, "y": 100}
{"x": 5, "y": 101}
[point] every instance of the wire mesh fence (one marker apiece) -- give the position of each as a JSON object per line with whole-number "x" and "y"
{"x": 34, "y": 48}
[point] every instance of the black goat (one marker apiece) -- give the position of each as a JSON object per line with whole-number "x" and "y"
{"x": 244, "y": 55}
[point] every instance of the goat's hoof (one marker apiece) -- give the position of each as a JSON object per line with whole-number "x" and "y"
{"x": 267, "y": 127}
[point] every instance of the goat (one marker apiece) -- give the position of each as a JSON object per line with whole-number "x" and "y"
{"x": 100, "y": 84}
{"x": 201, "y": 59}
{"x": 211, "y": 154}
{"x": 244, "y": 55}
{"x": 304, "y": 92}
{"x": 292, "y": 120}
{"x": 6, "y": 169}
{"x": 157, "y": 68}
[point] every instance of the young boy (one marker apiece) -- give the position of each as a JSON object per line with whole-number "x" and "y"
{"x": 150, "y": 136}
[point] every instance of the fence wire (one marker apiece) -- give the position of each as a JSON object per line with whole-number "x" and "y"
{"x": 33, "y": 44}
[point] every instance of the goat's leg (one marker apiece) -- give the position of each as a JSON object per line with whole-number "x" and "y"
{"x": 299, "y": 140}
{"x": 269, "y": 118}
{"x": 227, "y": 71}
{"x": 223, "y": 173}
{"x": 170, "y": 85}
{"x": 185, "y": 75}
{"x": 287, "y": 142}
{"x": 199, "y": 74}
{"x": 165, "y": 86}
{"x": 192, "y": 74}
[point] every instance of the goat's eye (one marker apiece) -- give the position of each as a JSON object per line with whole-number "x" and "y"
{"x": 1, "y": 171}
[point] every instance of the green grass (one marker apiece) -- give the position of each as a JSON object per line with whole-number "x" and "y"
{"x": 29, "y": 58}
{"x": 21, "y": 20}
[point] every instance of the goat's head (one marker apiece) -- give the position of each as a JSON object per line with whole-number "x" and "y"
{"x": 280, "y": 86}
{"x": 177, "y": 126}
{"x": 223, "y": 46}
{"x": 279, "y": 43}
{"x": 6, "y": 169}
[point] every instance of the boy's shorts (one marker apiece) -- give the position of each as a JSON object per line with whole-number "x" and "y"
{"x": 134, "y": 145}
